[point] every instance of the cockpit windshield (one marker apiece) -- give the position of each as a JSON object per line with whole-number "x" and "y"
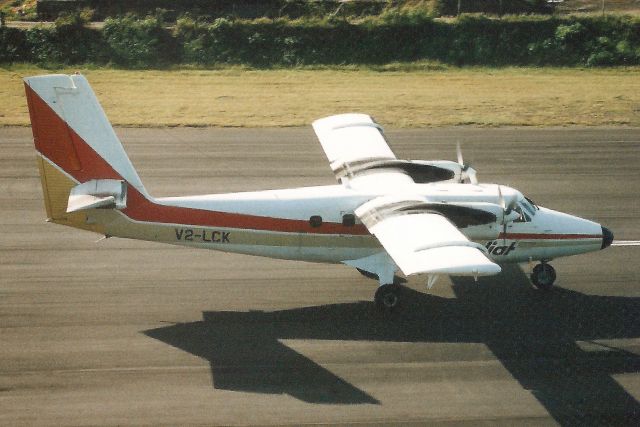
{"x": 531, "y": 202}
{"x": 523, "y": 217}
{"x": 528, "y": 207}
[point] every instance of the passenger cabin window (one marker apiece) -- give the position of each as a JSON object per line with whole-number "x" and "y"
{"x": 315, "y": 221}
{"x": 348, "y": 220}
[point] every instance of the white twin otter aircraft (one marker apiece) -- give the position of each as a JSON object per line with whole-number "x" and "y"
{"x": 386, "y": 215}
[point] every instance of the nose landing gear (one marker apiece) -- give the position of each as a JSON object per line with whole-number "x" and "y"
{"x": 543, "y": 276}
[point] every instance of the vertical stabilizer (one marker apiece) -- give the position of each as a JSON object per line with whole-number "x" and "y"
{"x": 75, "y": 142}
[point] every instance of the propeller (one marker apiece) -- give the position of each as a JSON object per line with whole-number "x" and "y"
{"x": 506, "y": 211}
{"x": 467, "y": 170}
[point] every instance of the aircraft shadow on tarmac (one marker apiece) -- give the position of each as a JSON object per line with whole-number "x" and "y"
{"x": 533, "y": 334}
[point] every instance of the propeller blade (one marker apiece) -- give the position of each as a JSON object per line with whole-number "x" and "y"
{"x": 501, "y": 200}
{"x": 473, "y": 178}
{"x": 466, "y": 171}
{"x": 506, "y": 210}
{"x": 459, "y": 153}
{"x": 504, "y": 233}
{"x": 502, "y": 204}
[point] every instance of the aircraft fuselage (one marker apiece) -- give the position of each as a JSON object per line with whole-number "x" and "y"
{"x": 284, "y": 228}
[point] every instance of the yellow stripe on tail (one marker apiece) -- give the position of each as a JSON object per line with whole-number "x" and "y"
{"x": 56, "y": 187}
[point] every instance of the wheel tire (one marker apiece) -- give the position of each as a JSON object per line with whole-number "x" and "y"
{"x": 543, "y": 276}
{"x": 387, "y": 297}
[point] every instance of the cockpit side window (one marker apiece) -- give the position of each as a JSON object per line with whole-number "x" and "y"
{"x": 524, "y": 217}
{"x": 528, "y": 206}
{"x": 532, "y": 203}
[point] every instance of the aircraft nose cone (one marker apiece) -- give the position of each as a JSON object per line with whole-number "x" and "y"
{"x": 607, "y": 237}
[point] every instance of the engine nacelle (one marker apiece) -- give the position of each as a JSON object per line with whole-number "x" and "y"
{"x": 453, "y": 167}
{"x": 461, "y": 173}
{"x": 420, "y": 171}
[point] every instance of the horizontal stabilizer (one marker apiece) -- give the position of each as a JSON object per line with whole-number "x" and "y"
{"x": 83, "y": 202}
{"x": 98, "y": 193}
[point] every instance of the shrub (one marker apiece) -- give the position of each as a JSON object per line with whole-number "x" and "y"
{"x": 395, "y": 36}
{"x": 139, "y": 43}
{"x": 13, "y": 45}
{"x": 450, "y": 7}
{"x": 69, "y": 41}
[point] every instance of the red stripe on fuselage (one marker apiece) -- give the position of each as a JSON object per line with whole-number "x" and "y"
{"x": 540, "y": 236}
{"x": 141, "y": 209}
{"x": 60, "y": 144}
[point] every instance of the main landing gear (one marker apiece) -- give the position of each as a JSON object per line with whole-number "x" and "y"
{"x": 543, "y": 276}
{"x": 387, "y": 297}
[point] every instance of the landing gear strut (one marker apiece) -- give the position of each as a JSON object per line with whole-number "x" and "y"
{"x": 543, "y": 276}
{"x": 367, "y": 274}
{"x": 388, "y": 297}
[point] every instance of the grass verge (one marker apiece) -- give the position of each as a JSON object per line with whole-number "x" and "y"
{"x": 418, "y": 95}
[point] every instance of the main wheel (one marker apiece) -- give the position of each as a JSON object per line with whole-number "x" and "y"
{"x": 543, "y": 276}
{"x": 388, "y": 297}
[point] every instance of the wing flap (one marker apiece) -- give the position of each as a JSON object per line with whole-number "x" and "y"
{"x": 423, "y": 241}
{"x": 453, "y": 260}
{"x": 346, "y": 138}
{"x": 358, "y": 152}
{"x": 360, "y": 156}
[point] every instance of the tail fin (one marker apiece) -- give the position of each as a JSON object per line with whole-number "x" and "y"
{"x": 75, "y": 143}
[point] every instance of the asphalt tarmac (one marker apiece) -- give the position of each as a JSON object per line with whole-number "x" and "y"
{"x": 126, "y": 332}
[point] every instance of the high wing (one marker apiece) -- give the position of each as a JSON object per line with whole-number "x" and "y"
{"x": 359, "y": 154}
{"x": 351, "y": 138}
{"x": 420, "y": 240}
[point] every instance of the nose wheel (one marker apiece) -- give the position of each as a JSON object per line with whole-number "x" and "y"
{"x": 543, "y": 276}
{"x": 387, "y": 297}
